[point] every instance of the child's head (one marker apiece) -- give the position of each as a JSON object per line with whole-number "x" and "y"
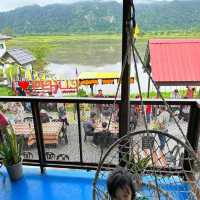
{"x": 120, "y": 185}
{"x": 104, "y": 124}
{"x": 92, "y": 115}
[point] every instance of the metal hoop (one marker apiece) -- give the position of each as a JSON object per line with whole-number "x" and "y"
{"x": 133, "y": 134}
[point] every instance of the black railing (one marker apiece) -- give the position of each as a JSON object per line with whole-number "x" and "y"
{"x": 193, "y": 130}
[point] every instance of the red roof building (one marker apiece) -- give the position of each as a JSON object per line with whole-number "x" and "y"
{"x": 174, "y": 61}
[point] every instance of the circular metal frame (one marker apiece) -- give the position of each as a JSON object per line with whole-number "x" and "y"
{"x": 129, "y": 135}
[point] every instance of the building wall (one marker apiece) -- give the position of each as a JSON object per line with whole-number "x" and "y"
{"x": 2, "y": 47}
{"x": 2, "y": 51}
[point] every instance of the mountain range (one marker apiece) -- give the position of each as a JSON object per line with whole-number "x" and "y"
{"x": 101, "y": 16}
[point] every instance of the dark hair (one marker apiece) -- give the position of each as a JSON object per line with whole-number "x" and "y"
{"x": 120, "y": 178}
{"x": 162, "y": 107}
{"x": 104, "y": 124}
{"x": 92, "y": 114}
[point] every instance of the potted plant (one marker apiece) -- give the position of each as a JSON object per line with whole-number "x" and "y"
{"x": 11, "y": 151}
{"x": 136, "y": 164}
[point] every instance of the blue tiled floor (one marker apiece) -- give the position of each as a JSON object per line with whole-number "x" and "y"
{"x": 63, "y": 184}
{"x": 55, "y": 184}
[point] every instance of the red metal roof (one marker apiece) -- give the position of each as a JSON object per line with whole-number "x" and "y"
{"x": 175, "y": 61}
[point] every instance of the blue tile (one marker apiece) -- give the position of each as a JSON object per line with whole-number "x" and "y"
{"x": 55, "y": 184}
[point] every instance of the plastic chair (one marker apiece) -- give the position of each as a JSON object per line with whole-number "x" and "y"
{"x": 50, "y": 156}
{"x": 27, "y": 155}
{"x": 62, "y": 156}
{"x": 86, "y": 132}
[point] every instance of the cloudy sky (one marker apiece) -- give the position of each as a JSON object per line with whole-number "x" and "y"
{"x": 12, "y": 4}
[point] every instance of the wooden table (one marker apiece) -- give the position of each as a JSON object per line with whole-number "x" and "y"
{"x": 22, "y": 128}
{"x": 51, "y": 131}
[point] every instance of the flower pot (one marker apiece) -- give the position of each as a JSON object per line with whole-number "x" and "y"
{"x": 15, "y": 171}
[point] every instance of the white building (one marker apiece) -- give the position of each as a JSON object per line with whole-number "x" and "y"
{"x": 11, "y": 56}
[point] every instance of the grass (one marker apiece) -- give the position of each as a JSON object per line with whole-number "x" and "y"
{"x": 153, "y": 95}
{"x": 89, "y": 49}
{"x": 6, "y": 91}
{"x": 56, "y": 40}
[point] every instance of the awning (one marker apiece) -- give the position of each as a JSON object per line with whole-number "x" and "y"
{"x": 95, "y": 78}
{"x": 175, "y": 61}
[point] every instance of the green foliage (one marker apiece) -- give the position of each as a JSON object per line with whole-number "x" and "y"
{"x": 11, "y": 149}
{"x": 74, "y": 48}
{"x": 7, "y": 31}
{"x": 6, "y": 91}
{"x": 135, "y": 162}
{"x": 11, "y": 72}
{"x": 40, "y": 52}
{"x": 138, "y": 164}
{"x": 82, "y": 93}
{"x": 1, "y": 73}
{"x": 153, "y": 94}
{"x": 75, "y": 18}
{"x": 98, "y": 17}
{"x": 84, "y": 49}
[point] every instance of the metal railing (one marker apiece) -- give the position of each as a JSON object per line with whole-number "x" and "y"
{"x": 193, "y": 130}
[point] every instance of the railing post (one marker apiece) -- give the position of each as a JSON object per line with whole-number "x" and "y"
{"x": 38, "y": 134}
{"x": 126, "y": 60}
{"x": 79, "y": 132}
{"x": 193, "y": 132}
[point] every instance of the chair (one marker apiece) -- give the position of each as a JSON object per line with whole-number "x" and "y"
{"x": 55, "y": 120}
{"x": 62, "y": 156}
{"x": 103, "y": 139}
{"x": 87, "y": 133}
{"x": 50, "y": 156}
{"x": 27, "y": 155}
{"x": 63, "y": 135}
{"x": 28, "y": 119}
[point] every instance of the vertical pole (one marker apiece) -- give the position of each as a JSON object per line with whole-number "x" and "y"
{"x": 194, "y": 127}
{"x": 193, "y": 133}
{"x": 38, "y": 134}
{"x": 158, "y": 96}
{"x": 92, "y": 89}
{"x": 125, "y": 87}
{"x": 149, "y": 82}
{"x": 148, "y": 67}
{"x": 79, "y": 132}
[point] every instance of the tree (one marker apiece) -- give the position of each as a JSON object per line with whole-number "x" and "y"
{"x": 40, "y": 53}
{"x": 11, "y": 72}
{"x": 7, "y": 31}
{"x": 1, "y": 73}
